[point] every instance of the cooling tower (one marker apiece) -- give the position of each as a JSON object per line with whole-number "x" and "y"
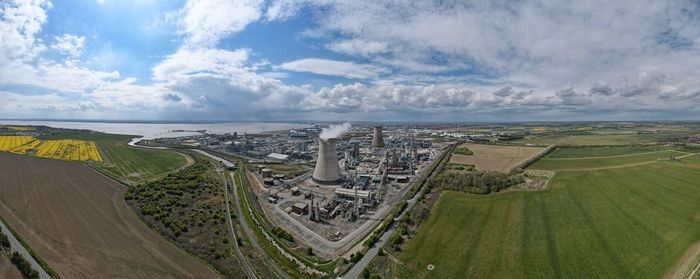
{"x": 327, "y": 170}
{"x": 378, "y": 139}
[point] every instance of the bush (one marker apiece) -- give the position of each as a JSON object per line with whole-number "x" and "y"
{"x": 4, "y": 241}
{"x": 24, "y": 266}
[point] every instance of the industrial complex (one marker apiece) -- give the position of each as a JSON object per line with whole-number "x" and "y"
{"x": 346, "y": 183}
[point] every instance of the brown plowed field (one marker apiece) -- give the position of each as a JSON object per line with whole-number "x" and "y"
{"x": 494, "y": 157}
{"x": 8, "y": 270}
{"x": 77, "y": 220}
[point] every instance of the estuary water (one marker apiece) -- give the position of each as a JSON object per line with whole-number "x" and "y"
{"x": 164, "y": 130}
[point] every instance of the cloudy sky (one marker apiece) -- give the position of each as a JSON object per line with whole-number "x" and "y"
{"x": 350, "y": 60}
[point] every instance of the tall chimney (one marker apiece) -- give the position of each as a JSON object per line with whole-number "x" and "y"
{"x": 378, "y": 139}
{"x": 327, "y": 170}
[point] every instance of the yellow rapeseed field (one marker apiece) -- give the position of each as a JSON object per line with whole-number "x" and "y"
{"x": 8, "y": 143}
{"x": 68, "y": 149}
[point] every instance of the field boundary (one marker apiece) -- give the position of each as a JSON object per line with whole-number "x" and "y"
{"x": 625, "y": 165}
{"x": 688, "y": 265}
{"x": 617, "y": 156}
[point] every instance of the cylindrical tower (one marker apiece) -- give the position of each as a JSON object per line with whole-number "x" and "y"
{"x": 327, "y": 170}
{"x": 378, "y": 139}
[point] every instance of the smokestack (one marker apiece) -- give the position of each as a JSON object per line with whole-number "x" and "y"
{"x": 327, "y": 170}
{"x": 378, "y": 139}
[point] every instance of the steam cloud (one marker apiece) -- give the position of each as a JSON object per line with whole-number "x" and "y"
{"x": 334, "y": 131}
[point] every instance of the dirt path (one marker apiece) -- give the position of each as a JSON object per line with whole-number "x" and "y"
{"x": 688, "y": 266}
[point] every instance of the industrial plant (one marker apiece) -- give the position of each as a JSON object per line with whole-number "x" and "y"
{"x": 329, "y": 185}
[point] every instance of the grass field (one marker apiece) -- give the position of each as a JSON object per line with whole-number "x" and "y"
{"x": 605, "y": 139}
{"x": 135, "y": 165}
{"x": 79, "y": 223}
{"x": 630, "y": 222}
{"x": 494, "y": 157}
{"x": 577, "y": 152}
{"x": 589, "y": 163}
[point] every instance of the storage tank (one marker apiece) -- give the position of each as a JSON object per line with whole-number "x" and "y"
{"x": 327, "y": 170}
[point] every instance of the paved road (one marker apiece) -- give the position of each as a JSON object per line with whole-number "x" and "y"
{"x": 17, "y": 246}
{"x": 357, "y": 269}
{"x": 241, "y": 258}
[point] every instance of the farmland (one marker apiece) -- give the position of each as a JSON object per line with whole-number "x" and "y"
{"x": 632, "y": 222}
{"x": 493, "y": 157}
{"x": 70, "y": 150}
{"x": 8, "y": 143}
{"x": 590, "y": 163}
{"x": 578, "y": 152}
{"x": 125, "y": 163}
{"x": 79, "y": 223}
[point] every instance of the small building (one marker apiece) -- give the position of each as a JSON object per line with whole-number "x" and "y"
{"x": 300, "y": 208}
{"x": 278, "y": 156}
{"x": 295, "y": 190}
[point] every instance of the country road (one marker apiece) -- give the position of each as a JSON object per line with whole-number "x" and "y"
{"x": 17, "y": 246}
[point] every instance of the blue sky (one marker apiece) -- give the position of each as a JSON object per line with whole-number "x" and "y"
{"x": 349, "y": 60}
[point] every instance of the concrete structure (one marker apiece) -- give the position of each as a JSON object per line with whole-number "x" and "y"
{"x": 378, "y": 138}
{"x": 327, "y": 170}
{"x": 300, "y": 208}
{"x": 352, "y": 194}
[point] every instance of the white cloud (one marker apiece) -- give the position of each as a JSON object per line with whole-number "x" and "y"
{"x": 334, "y": 68}
{"x": 201, "y": 62}
{"x": 207, "y": 21}
{"x": 68, "y": 44}
{"x": 21, "y": 21}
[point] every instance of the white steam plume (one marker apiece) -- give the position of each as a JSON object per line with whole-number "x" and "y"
{"x": 334, "y": 131}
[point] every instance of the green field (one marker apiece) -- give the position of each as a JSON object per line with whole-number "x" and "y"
{"x": 584, "y": 163}
{"x": 577, "y": 152}
{"x": 130, "y": 165}
{"x": 633, "y": 222}
{"x": 587, "y": 139}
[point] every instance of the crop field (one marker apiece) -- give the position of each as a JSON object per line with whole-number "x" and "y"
{"x": 79, "y": 223}
{"x": 578, "y": 152}
{"x": 600, "y": 162}
{"x": 592, "y": 139}
{"x": 8, "y": 143}
{"x": 71, "y": 150}
{"x": 494, "y": 157}
{"x": 130, "y": 165}
{"x": 634, "y": 222}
